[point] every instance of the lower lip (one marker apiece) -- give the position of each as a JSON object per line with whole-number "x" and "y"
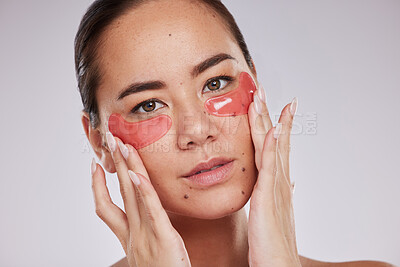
{"x": 212, "y": 177}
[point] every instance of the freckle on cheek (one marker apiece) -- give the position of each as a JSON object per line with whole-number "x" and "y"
{"x": 243, "y": 169}
{"x": 243, "y": 153}
{"x": 242, "y": 192}
{"x": 186, "y": 196}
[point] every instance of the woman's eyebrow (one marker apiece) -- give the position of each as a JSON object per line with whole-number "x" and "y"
{"x": 141, "y": 86}
{"x": 156, "y": 85}
{"x": 210, "y": 62}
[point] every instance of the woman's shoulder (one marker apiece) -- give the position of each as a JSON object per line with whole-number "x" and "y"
{"x": 307, "y": 262}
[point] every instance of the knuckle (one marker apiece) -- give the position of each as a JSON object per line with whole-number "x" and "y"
{"x": 100, "y": 211}
{"x": 290, "y": 125}
{"x": 151, "y": 216}
{"x": 274, "y": 170}
{"x": 272, "y": 147}
{"x": 118, "y": 161}
{"x": 124, "y": 191}
{"x": 94, "y": 187}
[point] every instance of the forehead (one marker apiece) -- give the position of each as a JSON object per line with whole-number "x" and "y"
{"x": 160, "y": 37}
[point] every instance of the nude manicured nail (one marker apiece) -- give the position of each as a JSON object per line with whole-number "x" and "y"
{"x": 257, "y": 104}
{"x": 134, "y": 177}
{"x": 93, "y": 166}
{"x": 111, "y": 141}
{"x": 124, "y": 150}
{"x": 277, "y": 130}
{"x": 293, "y": 106}
{"x": 261, "y": 93}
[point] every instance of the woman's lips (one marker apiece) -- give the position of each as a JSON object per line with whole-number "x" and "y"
{"x": 211, "y": 177}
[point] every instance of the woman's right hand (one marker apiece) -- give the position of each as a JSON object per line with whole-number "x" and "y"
{"x": 144, "y": 229}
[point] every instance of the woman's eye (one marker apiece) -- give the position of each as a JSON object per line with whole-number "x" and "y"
{"x": 217, "y": 83}
{"x": 147, "y": 106}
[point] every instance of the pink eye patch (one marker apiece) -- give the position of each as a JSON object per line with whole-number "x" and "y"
{"x": 235, "y": 102}
{"x": 139, "y": 134}
{"x": 144, "y": 133}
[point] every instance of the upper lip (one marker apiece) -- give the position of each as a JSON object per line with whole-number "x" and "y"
{"x": 207, "y": 165}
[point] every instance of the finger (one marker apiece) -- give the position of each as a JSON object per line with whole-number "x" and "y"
{"x": 110, "y": 213}
{"x": 149, "y": 201}
{"x": 258, "y": 133}
{"x": 135, "y": 162}
{"x": 260, "y": 123}
{"x": 264, "y": 109}
{"x": 286, "y": 119}
{"x": 125, "y": 184}
{"x": 268, "y": 169}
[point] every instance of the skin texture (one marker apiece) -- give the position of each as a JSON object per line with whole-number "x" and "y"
{"x": 164, "y": 40}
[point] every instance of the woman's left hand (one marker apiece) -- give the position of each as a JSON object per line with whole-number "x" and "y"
{"x": 271, "y": 231}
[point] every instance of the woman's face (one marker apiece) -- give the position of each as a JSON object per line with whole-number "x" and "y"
{"x": 164, "y": 41}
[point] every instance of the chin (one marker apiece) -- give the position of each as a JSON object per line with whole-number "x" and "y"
{"x": 211, "y": 207}
{"x": 210, "y": 203}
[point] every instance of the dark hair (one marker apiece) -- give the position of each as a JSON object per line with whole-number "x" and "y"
{"x": 99, "y": 15}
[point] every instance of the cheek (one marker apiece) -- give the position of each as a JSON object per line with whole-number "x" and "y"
{"x": 235, "y": 102}
{"x": 139, "y": 134}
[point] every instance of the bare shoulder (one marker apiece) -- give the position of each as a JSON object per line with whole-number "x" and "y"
{"x": 121, "y": 263}
{"x": 307, "y": 262}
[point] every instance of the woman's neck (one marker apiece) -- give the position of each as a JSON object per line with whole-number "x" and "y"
{"x": 220, "y": 242}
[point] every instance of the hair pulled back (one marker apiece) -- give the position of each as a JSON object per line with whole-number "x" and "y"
{"x": 102, "y": 13}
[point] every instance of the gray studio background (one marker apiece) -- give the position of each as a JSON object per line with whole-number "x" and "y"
{"x": 339, "y": 57}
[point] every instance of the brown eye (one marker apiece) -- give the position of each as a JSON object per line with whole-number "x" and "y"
{"x": 149, "y": 106}
{"x": 214, "y": 85}
{"x": 217, "y": 83}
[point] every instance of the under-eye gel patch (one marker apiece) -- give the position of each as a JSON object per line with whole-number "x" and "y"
{"x": 144, "y": 133}
{"x": 139, "y": 134}
{"x": 235, "y": 102}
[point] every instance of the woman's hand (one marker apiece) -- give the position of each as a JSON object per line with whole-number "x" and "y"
{"x": 144, "y": 229}
{"x": 272, "y": 239}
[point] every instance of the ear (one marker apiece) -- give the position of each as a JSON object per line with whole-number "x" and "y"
{"x": 97, "y": 141}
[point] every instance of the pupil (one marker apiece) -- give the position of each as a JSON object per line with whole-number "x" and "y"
{"x": 149, "y": 106}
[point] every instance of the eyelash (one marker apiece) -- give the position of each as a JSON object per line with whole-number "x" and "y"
{"x": 225, "y": 77}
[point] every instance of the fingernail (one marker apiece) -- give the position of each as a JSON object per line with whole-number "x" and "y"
{"x": 257, "y": 104}
{"x": 124, "y": 150}
{"x": 134, "y": 177}
{"x": 93, "y": 166}
{"x": 261, "y": 93}
{"x": 293, "y": 106}
{"x": 277, "y": 130}
{"x": 110, "y": 141}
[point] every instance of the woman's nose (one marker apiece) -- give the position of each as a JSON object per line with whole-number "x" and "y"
{"x": 195, "y": 127}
